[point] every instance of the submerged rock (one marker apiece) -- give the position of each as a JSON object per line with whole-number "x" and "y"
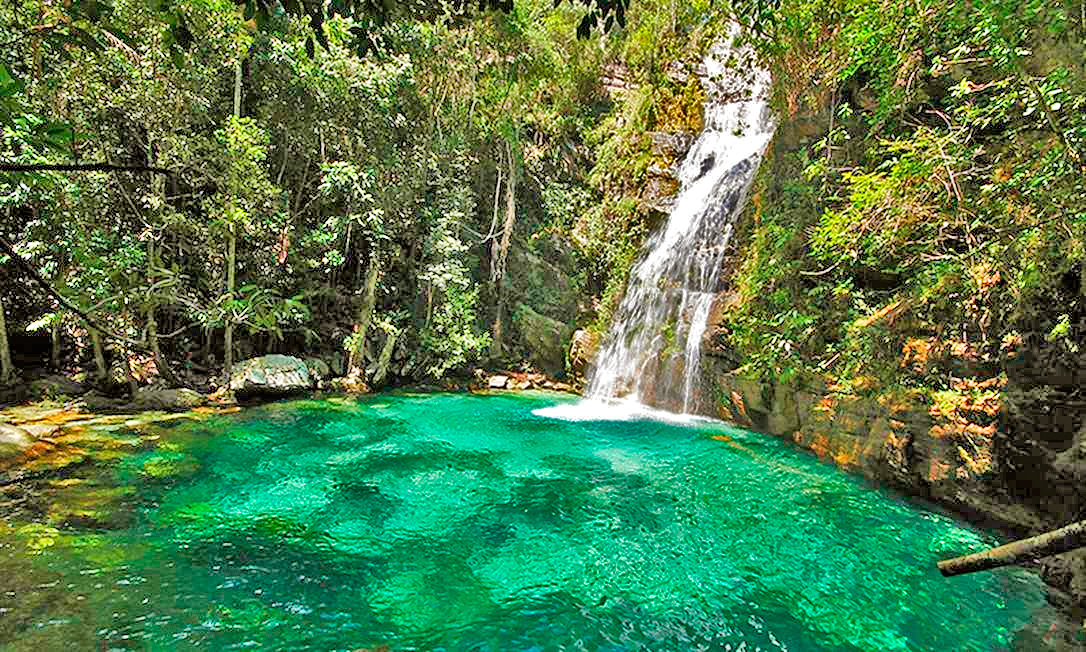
{"x": 270, "y": 375}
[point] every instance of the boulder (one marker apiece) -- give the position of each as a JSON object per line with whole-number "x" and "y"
{"x": 13, "y": 440}
{"x": 546, "y": 339}
{"x": 168, "y": 399}
{"x": 318, "y": 369}
{"x": 270, "y": 376}
{"x": 497, "y": 382}
{"x": 55, "y": 385}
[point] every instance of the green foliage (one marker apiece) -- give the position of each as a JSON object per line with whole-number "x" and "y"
{"x": 940, "y": 199}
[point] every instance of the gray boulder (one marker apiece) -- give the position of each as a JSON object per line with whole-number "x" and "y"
{"x": 546, "y": 339}
{"x": 13, "y": 441}
{"x": 168, "y": 399}
{"x": 270, "y": 376}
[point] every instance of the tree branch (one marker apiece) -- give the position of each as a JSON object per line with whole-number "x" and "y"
{"x": 80, "y": 167}
{"x": 21, "y": 262}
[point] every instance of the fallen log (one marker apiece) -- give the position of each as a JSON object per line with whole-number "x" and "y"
{"x": 1043, "y": 545}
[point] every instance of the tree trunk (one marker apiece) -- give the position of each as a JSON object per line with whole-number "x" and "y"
{"x": 161, "y": 363}
{"x": 231, "y": 253}
{"x": 1043, "y": 545}
{"x": 7, "y": 370}
{"x": 386, "y": 356}
{"x": 132, "y": 384}
{"x": 228, "y": 335}
{"x": 496, "y": 332}
{"x": 55, "y": 348}
{"x": 54, "y": 340}
{"x": 356, "y": 363}
{"x": 99, "y": 355}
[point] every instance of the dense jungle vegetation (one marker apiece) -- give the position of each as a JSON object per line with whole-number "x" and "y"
{"x": 425, "y": 190}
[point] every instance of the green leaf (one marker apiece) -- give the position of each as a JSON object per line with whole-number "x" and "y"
{"x": 10, "y": 85}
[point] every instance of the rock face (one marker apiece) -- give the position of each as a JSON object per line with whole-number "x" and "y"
{"x": 270, "y": 375}
{"x": 168, "y": 399}
{"x": 673, "y": 145}
{"x": 661, "y": 186}
{"x": 946, "y": 454}
{"x": 582, "y": 348}
{"x": 547, "y": 339}
{"x": 13, "y": 441}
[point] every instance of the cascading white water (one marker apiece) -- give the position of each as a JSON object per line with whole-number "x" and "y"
{"x": 652, "y": 352}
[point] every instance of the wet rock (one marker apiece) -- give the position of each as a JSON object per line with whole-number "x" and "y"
{"x": 168, "y": 399}
{"x": 83, "y": 504}
{"x": 582, "y": 348}
{"x": 353, "y": 383}
{"x": 318, "y": 369}
{"x": 13, "y": 441}
{"x": 271, "y": 376}
{"x": 673, "y": 145}
{"x": 547, "y": 339}
{"x": 661, "y": 186}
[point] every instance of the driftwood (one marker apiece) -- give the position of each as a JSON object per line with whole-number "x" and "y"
{"x": 1043, "y": 545}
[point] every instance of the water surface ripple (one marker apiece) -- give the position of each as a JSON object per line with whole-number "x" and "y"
{"x": 467, "y": 522}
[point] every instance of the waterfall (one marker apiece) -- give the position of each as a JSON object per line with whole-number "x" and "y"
{"x": 652, "y": 352}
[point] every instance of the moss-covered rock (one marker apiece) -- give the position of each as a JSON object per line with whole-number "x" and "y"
{"x": 546, "y": 339}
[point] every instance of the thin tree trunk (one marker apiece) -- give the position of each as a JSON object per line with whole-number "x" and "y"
{"x": 231, "y": 254}
{"x": 161, "y": 364}
{"x": 99, "y": 355}
{"x": 496, "y": 333}
{"x": 228, "y": 336}
{"x": 386, "y": 356}
{"x": 357, "y": 358}
{"x": 1051, "y": 543}
{"x": 7, "y": 370}
{"x": 54, "y": 340}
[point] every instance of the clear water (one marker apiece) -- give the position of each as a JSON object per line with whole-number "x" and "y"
{"x": 468, "y": 522}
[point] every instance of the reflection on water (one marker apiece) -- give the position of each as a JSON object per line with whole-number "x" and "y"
{"x": 461, "y": 522}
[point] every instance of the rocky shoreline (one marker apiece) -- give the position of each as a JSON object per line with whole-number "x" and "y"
{"x": 27, "y": 429}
